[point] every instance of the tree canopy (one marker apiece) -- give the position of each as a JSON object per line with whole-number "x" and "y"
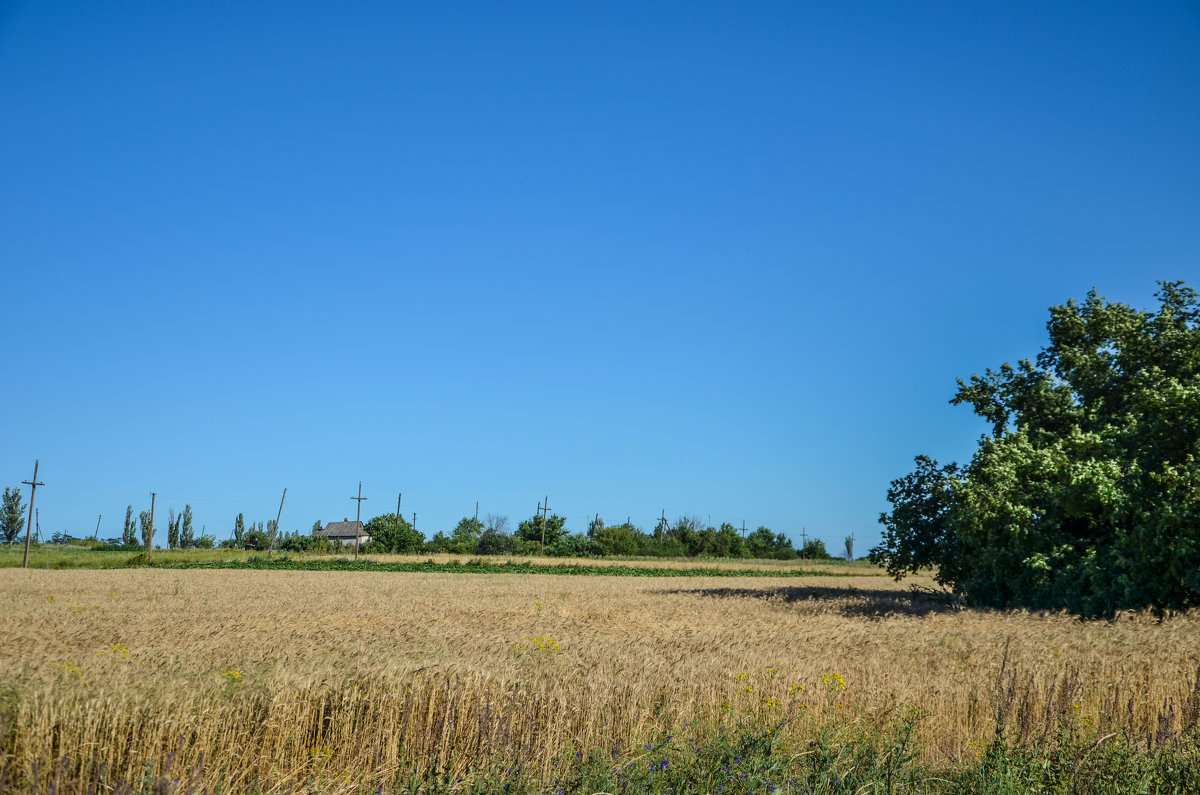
{"x": 12, "y": 515}
{"x": 1086, "y": 493}
{"x": 392, "y": 533}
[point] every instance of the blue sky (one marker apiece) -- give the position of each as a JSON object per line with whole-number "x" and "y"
{"x": 722, "y": 259}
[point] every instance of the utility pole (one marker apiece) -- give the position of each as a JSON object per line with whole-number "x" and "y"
{"x": 271, "y": 546}
{"x": 803, "y": 541}
{"x": 743, "y": 529}
{"x": 662, "y": 524}
{"x": 538, "y": 516}
{"x": 399, "y": 496}
{"x": 358, "y": 518}
{"x": 476, "y": 511}
{"x": 32, "y": 484}
{"x": 96, "y": 535}
{"x": 150, "y": 540}
{"x": 414, "y": 521}
{"x": 544, "y": 508}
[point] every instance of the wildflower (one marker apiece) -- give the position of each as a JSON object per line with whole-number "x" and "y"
{"x": 833, "y": 681}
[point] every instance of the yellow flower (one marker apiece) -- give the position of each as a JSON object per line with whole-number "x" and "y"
{"x": 833, "y": 681}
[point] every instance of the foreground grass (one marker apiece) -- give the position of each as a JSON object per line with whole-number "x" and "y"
{"x": 334, "y": 682}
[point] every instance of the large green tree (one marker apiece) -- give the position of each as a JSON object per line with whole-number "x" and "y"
{"x": 465, "y": 536}
{"x": 12, "y": 515}
{"x": 392, "y": 533}
{"x": 1086, "y": 493}
{"x": 531, "y": 528}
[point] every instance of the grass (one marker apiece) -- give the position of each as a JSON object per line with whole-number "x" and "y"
{"x": 329, "y": 681}
{"x": 74, "y": 557}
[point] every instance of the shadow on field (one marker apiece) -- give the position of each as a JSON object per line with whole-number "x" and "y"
{"x": 847, "y": 601}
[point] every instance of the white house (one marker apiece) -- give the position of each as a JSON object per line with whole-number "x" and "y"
{"x": 345, "y": 531}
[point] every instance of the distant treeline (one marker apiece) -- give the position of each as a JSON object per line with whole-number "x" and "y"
{"x": 688, "y": 536}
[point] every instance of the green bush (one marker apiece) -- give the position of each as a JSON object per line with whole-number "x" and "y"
{"x": 573, "y": 545}
{"x": 621, "y": 539}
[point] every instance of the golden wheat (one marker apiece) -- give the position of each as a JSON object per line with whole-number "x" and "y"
{"x": 343, "y": 679}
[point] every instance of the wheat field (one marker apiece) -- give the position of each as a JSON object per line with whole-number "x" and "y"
{"x": 340, "y": 680}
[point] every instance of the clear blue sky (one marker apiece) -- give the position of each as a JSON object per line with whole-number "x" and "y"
{"x": 722, "y": 259}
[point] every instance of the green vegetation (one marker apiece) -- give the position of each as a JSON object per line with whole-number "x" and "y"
{"x": 758, "y": 757}
{"x": 1086, "y": 495}
{"x": 89, "y": 554}
{"x": 392, "y": 533}
{"x": 12, "y": 515}
{"x": 481, "y": 566}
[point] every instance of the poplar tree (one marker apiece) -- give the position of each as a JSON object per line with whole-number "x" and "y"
{"x": 187, "y": 535}
{"x": 12, "y": 515}
{"x": 172, "y": 529}
{"x": 144, "y": 521}
{"x": 129, "y": 534}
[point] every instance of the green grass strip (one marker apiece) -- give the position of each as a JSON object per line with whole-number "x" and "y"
{"x": 508, "y": 567}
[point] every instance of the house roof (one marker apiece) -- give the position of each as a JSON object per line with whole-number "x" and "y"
{"x": 342, "y": 530}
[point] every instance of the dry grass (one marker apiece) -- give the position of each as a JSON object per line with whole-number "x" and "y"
{"x": 344, "y": 678}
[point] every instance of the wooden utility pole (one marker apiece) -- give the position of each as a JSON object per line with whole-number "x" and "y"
{"x": 271, "y": 546}
{"x": 96, "y": 535}
{"x": 414, "y": 521}
{"x": 399, "y": 496}
{"x": 358, "y": 518}
{"x": 743, "y": 529}
{"x": 803, "y": 541}
{"x": 538, "y": 514}
{"x": 32, "y": 484}
{"x": 477, "y": 511}
{"x": 150, "y": 540}
{"x": 662, "y": 525}
{"x": 545, "y": 507}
